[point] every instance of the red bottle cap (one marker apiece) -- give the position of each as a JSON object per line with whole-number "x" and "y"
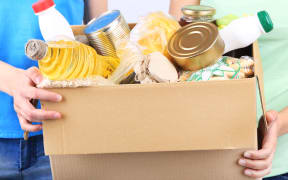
{"x": 42, "y": 5}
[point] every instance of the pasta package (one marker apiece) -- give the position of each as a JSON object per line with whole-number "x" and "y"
{"x": 153, "y": 32}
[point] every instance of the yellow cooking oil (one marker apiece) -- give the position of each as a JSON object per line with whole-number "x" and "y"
{"x": 68, "y": 60}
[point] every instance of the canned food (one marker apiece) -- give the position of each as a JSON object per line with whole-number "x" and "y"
{"x": 104, "y": 32}
{"x": 196, "y": 46}
{"x": 200, "y": 13}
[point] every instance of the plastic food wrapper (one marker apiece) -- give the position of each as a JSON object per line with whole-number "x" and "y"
{"x": 156, "y": 68}
{"x": 226, "y": 68}
{"x": 129, "y": 54}
{"x": 93, "y": 81}
{"x": 153, "y": 32}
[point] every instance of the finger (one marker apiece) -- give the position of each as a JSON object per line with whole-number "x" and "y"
{"x": 42, "y": 94}
{"x": 256, "y": 164}
{"x": 27, "y": 126}
{"x": 34, "y": 74}
{"x": 259, "y": 155}
{"x": 37, "y": 115}
{"x": 257, "y": 173}
{"x": 271, "y": 116}
{"x": 269, "y": 145}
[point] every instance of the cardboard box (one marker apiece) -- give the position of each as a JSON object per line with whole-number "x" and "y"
{"x": 179, "y": 131}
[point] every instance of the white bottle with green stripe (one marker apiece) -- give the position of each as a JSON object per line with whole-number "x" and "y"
{"x": 244, "y": 31}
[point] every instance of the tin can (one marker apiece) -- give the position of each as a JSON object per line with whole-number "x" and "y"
{"x": 193, "y": 13}
{"x": 105, "y": 31}
{"x": 196, "y": 46}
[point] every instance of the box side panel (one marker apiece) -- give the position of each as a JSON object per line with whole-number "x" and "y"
{"x": 198, "y": 165}
{"x": 160, "y": 117}
{"x": 259, "y": 73}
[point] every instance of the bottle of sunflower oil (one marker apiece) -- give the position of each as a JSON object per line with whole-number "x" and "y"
{"x": 68, "y": 60}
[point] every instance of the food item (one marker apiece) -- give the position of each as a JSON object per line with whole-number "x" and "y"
{"x": 226, "y": 20}
{"x": 104, "y": 32}
{"x": 68, "y": 60}
{"x": 153, "y": 32}
{"x": 196, "y": 46}
{"x": 226, "y": 68}
{"x": 156, "y": 68}
{"x": 129, "y": 54}
{"x": 200, "y": 13}
{"x": 246, "y": 64}
{"x": 244, "y": 31}
{"x": 49, "y": 18}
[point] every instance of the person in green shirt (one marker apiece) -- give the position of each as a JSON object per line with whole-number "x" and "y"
{"x": 274, "y": 52}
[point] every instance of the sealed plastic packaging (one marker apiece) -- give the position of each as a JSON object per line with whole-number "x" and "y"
{"x": 153, "y": 32}
{"x": 69, "y": 60}
{"x": 226, "y": 68}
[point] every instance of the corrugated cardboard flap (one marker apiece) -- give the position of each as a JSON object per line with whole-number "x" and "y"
{"x": 152, "y": 118}
{"x": 259, "y": 76}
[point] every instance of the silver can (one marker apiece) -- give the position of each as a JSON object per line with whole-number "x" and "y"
{"x": 105, "y": 31}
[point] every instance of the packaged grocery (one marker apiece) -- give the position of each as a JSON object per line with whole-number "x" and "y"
{"x": 156, "y": 68}
{"x": 246, "y": 64}
{"x": 153, "y": 32}
{"x": 226, "y": 20}
{"x": 49, "y": 19}
{"x": 226, "y": 68}
{"x": 68, "y": 60}
{"x": 194, "y": 13}
{"x": 196, "y": 46}
{"x": 244, "y": 31}
{"x": 129, "y": 54}
{"x": 104, "y": 32}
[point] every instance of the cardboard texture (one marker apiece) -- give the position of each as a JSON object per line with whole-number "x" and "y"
{"x": 153, "y": 132}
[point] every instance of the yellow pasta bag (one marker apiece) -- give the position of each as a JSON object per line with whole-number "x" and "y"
{"x": 153, "y": 32}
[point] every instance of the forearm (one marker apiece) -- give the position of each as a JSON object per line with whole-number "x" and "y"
{"x": 283, "y": 122}
{"x": 97, "y": 7}
{"x": 176, "y": 5}
{"x": 7, "y": 73}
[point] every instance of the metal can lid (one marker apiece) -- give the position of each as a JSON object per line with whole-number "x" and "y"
{"x": 104, "y": 21}
{"x": 193, "y": 10}
{"x": 193, "y": 40}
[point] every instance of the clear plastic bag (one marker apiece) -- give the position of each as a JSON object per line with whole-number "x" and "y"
{"x": 129, "y": 54}
{"x": 153, "y": 32}
{"x": 226, "y": 68}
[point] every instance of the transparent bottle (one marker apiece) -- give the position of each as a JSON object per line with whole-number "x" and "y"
{"x": 68, "y": 60}
{"x": 193, "y": 13}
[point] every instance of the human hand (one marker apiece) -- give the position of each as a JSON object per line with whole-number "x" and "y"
{"x": 22, "y": 87}
{"x": 259, "y": 163}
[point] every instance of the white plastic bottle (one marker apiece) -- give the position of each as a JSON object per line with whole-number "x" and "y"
{"x": 242, "y": 32}
{"x": 52, "y": 23}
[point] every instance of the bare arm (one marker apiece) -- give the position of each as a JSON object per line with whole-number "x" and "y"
{"x": 283, "y": 122}
{"x": 176, "y": 5}
{"x": 96, "y": 7}
{"x": 6, "y": 73}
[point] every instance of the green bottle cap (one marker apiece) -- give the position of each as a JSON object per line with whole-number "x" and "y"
{"x": 265, "y": 21}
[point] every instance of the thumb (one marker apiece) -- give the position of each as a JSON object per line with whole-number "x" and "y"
{"x": 34, "y": 74}
{"x": 271, "y": 116}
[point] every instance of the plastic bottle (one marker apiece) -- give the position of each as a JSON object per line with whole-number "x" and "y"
{"x": 52, "y": 23}
{"x": 68, "y": 60}
{"x": 244, "y": 31}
